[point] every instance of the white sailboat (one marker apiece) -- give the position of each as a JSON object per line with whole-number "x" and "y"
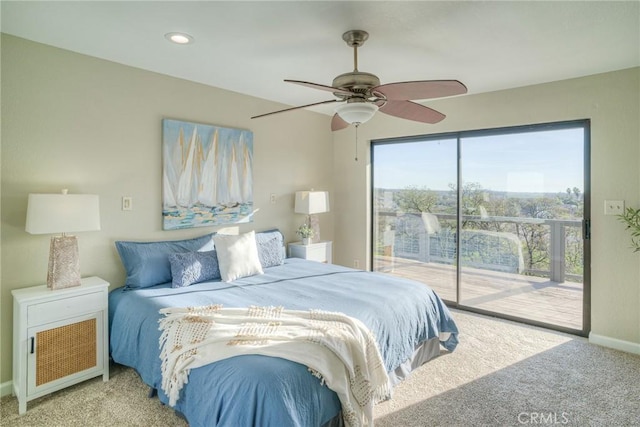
{"x": 173, "y": 160}
{"x": 168, "y": 198}
{"x": 234, "y": 193}
{"x": 208, "y": 192}
{"x": 247, "y": 175}
{"x": 188, "y": 183}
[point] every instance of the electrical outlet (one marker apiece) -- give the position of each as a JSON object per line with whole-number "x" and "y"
{"x": 356, "y": 263}
{"x": 273, "y": 198}
{"x": 613, "y": 207}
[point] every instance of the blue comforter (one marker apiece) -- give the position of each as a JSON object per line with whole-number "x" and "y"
{"x": 269, "y": 391}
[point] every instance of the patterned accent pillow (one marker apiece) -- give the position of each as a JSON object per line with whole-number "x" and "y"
{"x": 270, "y": 248}
{"x": 188, "y": 268}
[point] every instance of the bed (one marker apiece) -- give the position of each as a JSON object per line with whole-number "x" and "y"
{"x": 409, "y": 321}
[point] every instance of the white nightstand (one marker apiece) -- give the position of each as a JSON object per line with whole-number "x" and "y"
{"x": 320, "y": 251}
{"x": 60, "y": 338}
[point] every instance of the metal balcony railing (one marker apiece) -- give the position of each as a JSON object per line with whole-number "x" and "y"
{"x": 488, "y": 242}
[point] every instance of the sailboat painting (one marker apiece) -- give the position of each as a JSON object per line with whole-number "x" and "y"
{"x": 207, "y": 175}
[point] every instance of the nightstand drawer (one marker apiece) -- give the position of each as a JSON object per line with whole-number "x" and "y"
{"x": 45, "y": 312}
{"x": 320, "y": 251}
{"x": 317, "y": 253}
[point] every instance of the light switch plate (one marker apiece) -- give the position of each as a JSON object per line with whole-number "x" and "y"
{"x": 613, "y": 207}
{"x": 127, "y": 203}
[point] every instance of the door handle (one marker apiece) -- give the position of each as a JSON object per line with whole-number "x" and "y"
{"x": 586, "y": 229}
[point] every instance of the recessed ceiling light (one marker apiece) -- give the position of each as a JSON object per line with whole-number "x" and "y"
{"x": 179, "y": 38}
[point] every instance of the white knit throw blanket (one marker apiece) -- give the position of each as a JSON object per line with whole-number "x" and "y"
{"x": 336, "y": 348}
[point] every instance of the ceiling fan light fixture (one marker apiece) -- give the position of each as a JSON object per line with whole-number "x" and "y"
{"x": 356, "y": 112}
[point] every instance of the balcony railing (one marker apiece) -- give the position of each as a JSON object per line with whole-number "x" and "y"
{"x": 487, "y": 242}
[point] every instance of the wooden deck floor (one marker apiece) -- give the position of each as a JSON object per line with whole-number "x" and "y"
{"x": 528, "y": 297}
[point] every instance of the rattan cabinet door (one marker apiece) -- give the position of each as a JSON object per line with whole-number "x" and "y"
{"x": 64, "y": 352}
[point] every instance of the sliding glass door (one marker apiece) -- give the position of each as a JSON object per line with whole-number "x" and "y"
{"x": 414, "y": 212}
{"x": 494, "y": 221}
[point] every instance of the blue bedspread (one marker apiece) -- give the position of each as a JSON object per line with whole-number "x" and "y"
{"x": 267, "y": 391}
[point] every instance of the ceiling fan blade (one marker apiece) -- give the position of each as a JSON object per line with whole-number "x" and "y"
{"x": 421, "y": 89}
{"x": 296, "y": 108}
{"x": 321, "y": 87}
{"x": 337, "y": 123}
{"x": 412, "y": 111}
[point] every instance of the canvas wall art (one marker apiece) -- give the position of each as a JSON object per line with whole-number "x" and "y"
{"x": 207, "y": 175}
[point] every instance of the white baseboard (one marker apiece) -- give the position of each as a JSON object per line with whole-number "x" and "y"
{"x": 626, "y": 346}
{"x": 6, "y": 388}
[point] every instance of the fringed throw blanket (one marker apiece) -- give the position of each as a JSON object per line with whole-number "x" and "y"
{"x": 336, "y": 348}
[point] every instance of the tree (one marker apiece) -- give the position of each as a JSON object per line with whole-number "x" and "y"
{"x": 475, "y": 201}
{"x": 576, "y": 191}
{"x": 416, "y": 200}
{"x": 536, "y": 236}
{"x": 473, "y": 197}
{"x": 540, "y": 207}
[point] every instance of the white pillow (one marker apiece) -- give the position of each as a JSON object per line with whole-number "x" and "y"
{"x": 237, "y": 255}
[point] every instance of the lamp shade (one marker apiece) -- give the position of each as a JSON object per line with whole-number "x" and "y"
{"x": 356, "y": 112}
{"x": 312, "y": 202}
{"x": 62, "y": 213}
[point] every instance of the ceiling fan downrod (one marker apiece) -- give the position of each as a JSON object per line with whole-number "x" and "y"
{"x": 355, "y": 58}
{"x": 357, "y": 82}
{"x": 354, "y": 39}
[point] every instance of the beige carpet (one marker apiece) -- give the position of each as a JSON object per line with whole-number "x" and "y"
{"x": 502, "y": 374}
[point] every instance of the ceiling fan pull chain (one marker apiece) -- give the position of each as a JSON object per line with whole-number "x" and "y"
{"x": 357, "y": 125}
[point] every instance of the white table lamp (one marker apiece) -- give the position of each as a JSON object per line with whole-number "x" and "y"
{"x": 311, "y": 203}
{"x": 63, "y": 213}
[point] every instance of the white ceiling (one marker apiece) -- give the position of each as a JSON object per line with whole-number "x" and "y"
{"x": 250, "y": 47}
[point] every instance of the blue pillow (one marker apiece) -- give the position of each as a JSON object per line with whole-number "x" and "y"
{"x": 188, "y": 268}
{"x": 147, "y": 263}
{"x": 271, "y": 251}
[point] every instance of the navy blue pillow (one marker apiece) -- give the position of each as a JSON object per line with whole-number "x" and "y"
{"x": 147, "y": 263}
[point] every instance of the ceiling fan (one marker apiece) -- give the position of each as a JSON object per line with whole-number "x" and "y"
{"x": 362, "y": 94}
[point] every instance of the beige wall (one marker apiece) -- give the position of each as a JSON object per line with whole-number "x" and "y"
{"x": 92, "y": 126}
{"x": 610, "y": 100}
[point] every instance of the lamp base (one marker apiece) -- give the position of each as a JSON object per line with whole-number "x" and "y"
{"x": 314, "y": 223}
{"x": 64, "y": 263}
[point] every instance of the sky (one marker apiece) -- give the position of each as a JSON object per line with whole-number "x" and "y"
{"x": 541, "y": 161}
